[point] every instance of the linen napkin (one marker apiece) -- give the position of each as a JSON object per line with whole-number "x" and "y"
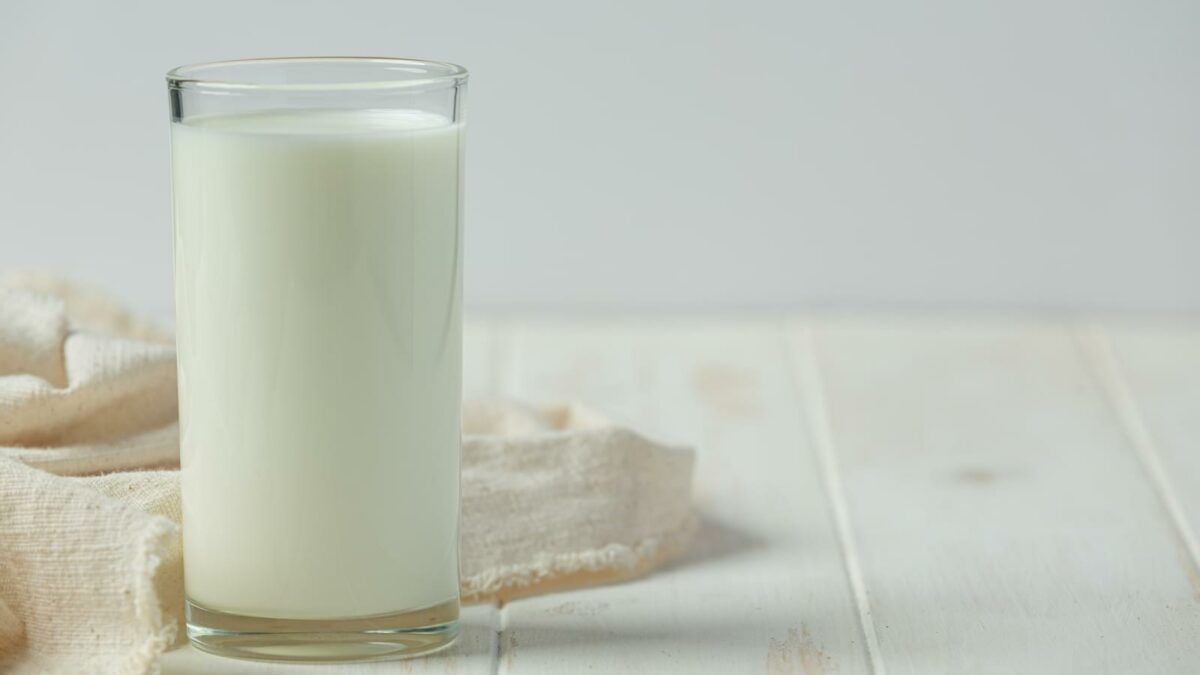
{"x": 91, "y": 576}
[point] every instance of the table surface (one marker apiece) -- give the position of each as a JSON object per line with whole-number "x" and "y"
{"x": 937, "y": 494}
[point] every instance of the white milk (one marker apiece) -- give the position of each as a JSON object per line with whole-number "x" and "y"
{"x": 318, "y": 291}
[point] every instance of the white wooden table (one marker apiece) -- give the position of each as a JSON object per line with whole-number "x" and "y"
{"x": 877, "y": 494}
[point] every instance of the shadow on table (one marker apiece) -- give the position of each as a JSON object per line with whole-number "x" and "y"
{"x": 685, "y": 644}
{"x": 715, "y": 540}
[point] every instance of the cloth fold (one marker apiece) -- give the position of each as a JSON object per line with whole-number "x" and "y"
{"x": 91, "y": 576}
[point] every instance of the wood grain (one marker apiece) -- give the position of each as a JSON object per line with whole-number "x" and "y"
{"x": 1002, "y": 518}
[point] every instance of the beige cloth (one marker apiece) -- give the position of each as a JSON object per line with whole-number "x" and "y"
{"x": 90, "y": 560}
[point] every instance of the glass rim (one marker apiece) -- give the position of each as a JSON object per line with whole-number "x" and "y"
{"x": 192, "y": 75}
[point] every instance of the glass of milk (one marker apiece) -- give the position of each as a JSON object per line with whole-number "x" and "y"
{"x": 318, "y": 283}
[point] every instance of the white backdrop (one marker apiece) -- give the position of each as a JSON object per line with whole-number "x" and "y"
{"x": 1033, "y": 154}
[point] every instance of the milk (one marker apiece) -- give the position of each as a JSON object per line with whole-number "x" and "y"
{"x": 318, "y": 291}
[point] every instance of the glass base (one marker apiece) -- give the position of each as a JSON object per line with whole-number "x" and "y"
{"x": 372, "y": 638}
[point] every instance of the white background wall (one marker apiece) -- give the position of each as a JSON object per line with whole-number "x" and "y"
{"x": 1033, "y": 154}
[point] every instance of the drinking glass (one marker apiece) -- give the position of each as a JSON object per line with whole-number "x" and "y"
{"x": 318, "y": 287}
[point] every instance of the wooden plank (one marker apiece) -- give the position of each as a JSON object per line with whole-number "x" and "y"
{"x": 1152, "y": 373}
{"x": 475, "y": 650}
{"x": 1002, "y": 520}
{"x": 763, "y": 588}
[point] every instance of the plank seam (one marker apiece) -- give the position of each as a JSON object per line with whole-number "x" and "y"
{"x": 1099, "y": 354}
{"x": 506, "y": 372}
{"x": 807, "y": 371}
{"x": 498, "y": 638}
